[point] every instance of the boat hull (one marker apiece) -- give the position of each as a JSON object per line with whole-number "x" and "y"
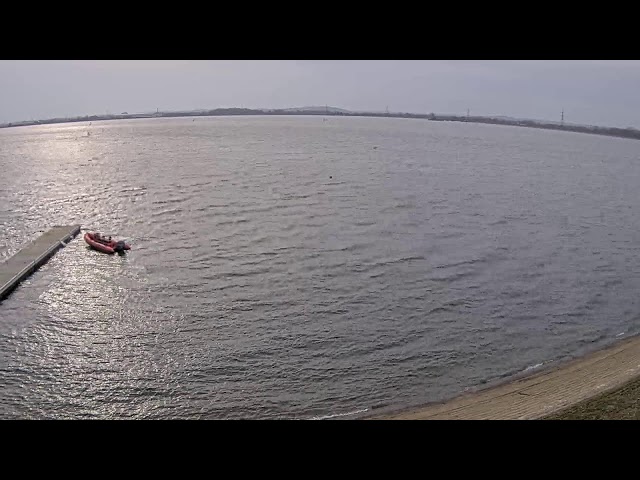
{"x": 104, "y": 247}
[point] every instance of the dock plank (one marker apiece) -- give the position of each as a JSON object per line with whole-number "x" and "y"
{"x": 33, "y": 256}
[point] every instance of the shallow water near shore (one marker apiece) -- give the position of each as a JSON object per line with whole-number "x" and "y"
{"x": 290, "y": 267}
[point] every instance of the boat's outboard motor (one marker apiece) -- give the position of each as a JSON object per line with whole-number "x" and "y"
{"x": 119, "y": 248}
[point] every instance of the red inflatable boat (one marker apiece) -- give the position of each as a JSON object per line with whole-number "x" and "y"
{"x": 106, "y": 245}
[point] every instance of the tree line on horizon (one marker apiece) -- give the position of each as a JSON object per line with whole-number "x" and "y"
{"x": 609, "y": 131}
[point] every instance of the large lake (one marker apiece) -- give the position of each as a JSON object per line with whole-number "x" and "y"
{"x": 297, "y": 267}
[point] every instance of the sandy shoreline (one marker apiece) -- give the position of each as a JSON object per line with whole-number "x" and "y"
{"x": 541, "y": 394}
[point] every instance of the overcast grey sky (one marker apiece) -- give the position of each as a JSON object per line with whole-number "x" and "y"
{"x": 599, "y": 92}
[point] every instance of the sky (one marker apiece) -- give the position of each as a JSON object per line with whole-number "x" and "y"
{"x": 594, "y": 92}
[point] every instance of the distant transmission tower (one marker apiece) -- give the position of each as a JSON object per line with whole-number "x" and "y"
{"x": 562, "y": 118}
{"x": 387, "y": 109}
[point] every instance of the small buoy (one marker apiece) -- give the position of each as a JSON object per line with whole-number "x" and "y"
{"x": 375, "y": 148}
{"x": 330, "y": 176}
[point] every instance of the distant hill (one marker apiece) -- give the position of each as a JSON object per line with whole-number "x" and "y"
{"x": 316, "y": 109}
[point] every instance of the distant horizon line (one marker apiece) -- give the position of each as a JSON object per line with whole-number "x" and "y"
{"x": 628, "y": 132}
{"x": 320, "y": 108}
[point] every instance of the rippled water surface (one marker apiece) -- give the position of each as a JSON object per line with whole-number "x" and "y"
{"x": 290, "y": 267}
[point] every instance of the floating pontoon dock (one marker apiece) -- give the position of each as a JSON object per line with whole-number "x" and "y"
{"x": 33, "y": 256}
